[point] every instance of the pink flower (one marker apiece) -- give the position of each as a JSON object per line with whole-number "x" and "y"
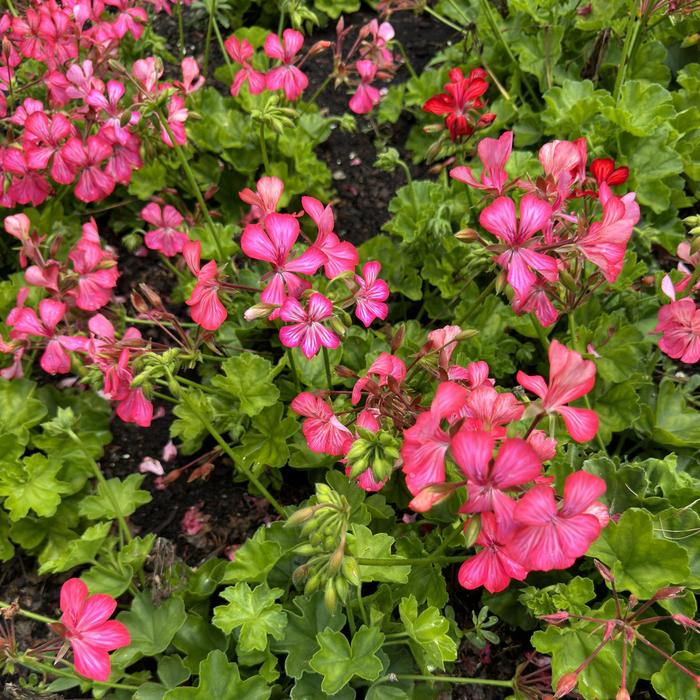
{"x": 241, "y": 52}
{"x": 136, "y": 408}
{"x": 426, "y": 443}
{"x": 379, "y": 372}
{"x": 85, "y": 158}
{"x": 266, "y": 198}
{"x": 89, "y": 630}
{"x": 110, "y": 105}
{"x": 366, "y": 96}
{"x": 519, "y": 259}
{"x": 147, "y": 71}
{"x": 371, "y": 295}
{"x": 191, "y": 79}
{"x": 177, "y": 116}
{"x": 28, "y": 186}
{"x": 286, "y": 77}
{"x": 494, "y": 154}
{"x": 570, "y": 378}
{"x": 324, "y": 433}
{"x": 604, "y": 171}
{"x": 554, "y": 537}
{"x": 545, "y": 447}
{"x": 487, "y": 409}
{"x": 495, "y": 564}
{"x": 165, "y": 237}
{"x": 206, "y": 308}
{"x": 537, "y": 301}
{"x": 306, "y": 330}
{"x": 128, "y": 18}
{"x": 193, "y": 521}
{"x": 43, "y": 137}
{"x": 565, "y": 160}
{"x": 340, "y": 256}
{"x": 679, "y": 322}
{"x": 487, "y": 479}
{"x": 605, "y": 242}
{"x": 272, "y": 244}
{"x": 149, "y": 465}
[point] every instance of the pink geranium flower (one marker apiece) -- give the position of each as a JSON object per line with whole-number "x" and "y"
{"x": 273, "y": 243}
{"x": 266, "y": 198}
{"x": 487, "y": 409}
{"x": 85, "y": 159}
{"x": 323, "y": 431}
{"x": 307, "y": 331}
{"x": 537, "y": 301}
{"x": 384, "y": 367}
{"x": 191, "y": 79}
{"x": 518, "y": 258}
{"x": 551, "y": 536}
{"x": 165, "y": 237}
{"x": 372, "y": 294}
{"x": 87, "y": 628}
{"x": 286, "y": 77}
{"x": 494, "y": 154}
{"x": 43, "y": 137}
{"x": 679, "y": 322}
{"x": 136, "y": 408}
{"x": 565, "y": 160}
{"x": 241, "y": 52}
{"x": 206, "y": 308}
{"x": 28, "y": 186}
{"x": 604, "y": 171}
{"x": 366, "y": 96}
{"x": 177, "y": 116}
{"x": 570, "y": 378}
{"x": 147, "y": 72}
{"x": 340, "y": 256}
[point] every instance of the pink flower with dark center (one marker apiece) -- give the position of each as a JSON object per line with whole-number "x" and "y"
{"x": 605, "y": 242}
{"x": 679, "y": 322}
{"x": 323, "y": 431}
{"x": 165, "y": 237}
{"x": 273, "y": 244}
{"x": 518, "y": 259}
{"x": 570, "y": 378}
{"x": 307, "y": 332}
{"x": 241, "y": 52}
{"x": 266, "y": 198}
{"x": 366, "y": 96}
{"x": 515, "y": 465}
{"x": 340, "y": 256}
{"x": 87, "y": 628}
{"x": 554, "y": 537}
{"x": 136, "y": 408}
{"x": 206, "y": 308}
{"x": 85, "y": 159}
{"x": 426, "y": 443}
{"x": 494, "y": 154}
{"x": 372, "y": 294}
{"x": 384, "y": 367}
{"x": 286, "y": 77}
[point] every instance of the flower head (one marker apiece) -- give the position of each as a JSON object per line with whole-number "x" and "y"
{"x": 307, "y": 331}
{"x": 286, "y": 77}
{"x": 372, "y": 294}
{"x": 679, "y": 322}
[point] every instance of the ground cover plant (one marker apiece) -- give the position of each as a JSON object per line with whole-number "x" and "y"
{"x": 348, "y": 350}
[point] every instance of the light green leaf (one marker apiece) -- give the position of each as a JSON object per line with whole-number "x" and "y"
{"x": 675, "y": 424}
{"x": 571, "y": 597}
{"x": 80, "y": 551}
{"x": 431, "y": 643}
{"x": 671, "y": 683}
{"x": 642, "y": 107}
{"x": 363, "y": 543}
{"x": 266, "y": 442}
{"x": 254, "y": 560}
{"x": 115, "y": 498}
{"x": 249, "y": 378}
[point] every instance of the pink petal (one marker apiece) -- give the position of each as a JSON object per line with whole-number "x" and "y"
{"x": 473, "y": 450}
{"x": 582, "y": 423}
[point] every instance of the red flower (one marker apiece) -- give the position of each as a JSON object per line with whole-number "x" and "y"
{"x": 604, "y": 171}
{"x": 679, "y": 322}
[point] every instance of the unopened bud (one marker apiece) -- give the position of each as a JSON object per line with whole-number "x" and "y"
{"x": 556, "y": 618}
{"x": 668, "y": 592}
{"x": 258, "y": 311}
{"x": 568, "y": 281}
{"x": 330, "y": 597}
{"x": 345, "y": 372}
{"x": 151, "y": 295}
{"x": 695, "y": 243}
{"x": 622, "y": 694}
{"x": 336, "y": 561}
{"x": 351, "y": 571}
{"x": 471, "y": 531}
{"x": 300, "y": 516}
{"x": 566, "y": 684}
{"x": 397, "y": 340}
{"x": 686, "y": 622}
{"x": 299, "y": 574}
{"x": 338, "y": 326}
{"x": 467, "y": 234}
{"x": 138, "y": 302}
{"x": 501, "y": 281}
{"x": 604, "y": 571}
{"x": 317, "y": 48}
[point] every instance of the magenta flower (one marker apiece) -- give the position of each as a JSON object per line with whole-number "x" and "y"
{"x": 88, "y": 629}
{"x": 518, "y": 259}
{"x": 323, "y": 431}
{"x": 191, "y": 79}
{"x": 366, "y": 96}
{"x": 272, "y": 244}
{"x": 490, "y": 410}
{"x": 43, "y": 137}
{"x": 147, "y": 72}
{"x": 679, "y": 322}
{"x": 177, "y": 116}
{"x": 86, "y": 158}
{"x": 109, "y": 104}
{"x": 241, "y": 52}
{"x": 494, "y": 154}
{"x": 126, "y": 156}
{"x": 307, "y": 331}
{"x": 206, "y": 308}
{"x": 371, "y": 295}
{"x": 340, "y": 256}
{"x": 537, "y": 301}
{"x": 570, "y": 378}
{"x": 286, "y": 77}
{"x": 565, "y": 160}
{"x": 28, "y": 186}
{"x": 136, "y": 408}
{"x": 266, "y": 198}
{"x": 165, "y": 237}
{"x": 554, "y": 537}
{"x": 386, "y": 366}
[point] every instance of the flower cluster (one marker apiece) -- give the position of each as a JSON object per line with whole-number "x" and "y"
{"x": 521, "y": 526}
{"x": 87, "y": 129}
{"x": 563, "y": 220}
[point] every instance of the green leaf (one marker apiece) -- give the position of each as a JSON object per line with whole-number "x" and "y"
{"x": 671, "y": 683}
{"x": 172, "y": 671}
{"x": 363, "y": 543}
{"x": 195, "y": 638}
{"x": 642, "y": 107}
{"x": 115, "y": 498}
{"x": 20, "y": 410}
{"x": 220, "y": 679}
{"x": 31, "y": 485}
{"x": 675, "y": 424}
{"x": 7, "y": 549}
{"x": 299, "y": 641}
{"x": 308, "y": 687}
{"x": 571, "y": 597}
{"x": 148, "y": 179}
{"x": 249, "y": 378}
{"x": 431, "y": 643}
{"x": 79, "y": 551}
{"x": 254, "y": 559}
{"x": 255, "y": 612}
{"x": 339, "y": 662}
{"x": 641, "y": 563}
{"x": 617, "y": 407}
{"x": 152, "y": 628}
{"x": 265, "y": 443}
{"x": 572, "y": 107}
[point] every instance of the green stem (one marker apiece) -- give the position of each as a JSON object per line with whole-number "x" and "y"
{"x": 361, "y": 605}
{"x": 123, "y": 527}
{"x": 35, "y": 665}
{"x": 237, "y": 462}
{"x": 28, "y": 614}
{"x": 480, "y": 299}
{"x": 207, "y": 41}
{"x": 293, "y": 369}
{"x": 222, "y": 48}
{"x": 633, "y": 26}
{"x": 193, "y": 182}
{"x": 148, "y": 322}
{"x": 424, "y": 561}
{"x": 263, "y": 148}
{"x": 540, "y": 332}
{"x": 321, "y": 88}
{"x": 406, "y": 60}
{"x": 180, "y": 29}
{"x": 447, "y": 542}
{"x": 280, "y": 24}
{"x": 351, "y": 620}
{"x": 327, "y": 367}
{"x": 444, "y": 20}
{"x": 164, "y": 397}
{"x": 450, "y": 679}
{"x": 11, "y": 8}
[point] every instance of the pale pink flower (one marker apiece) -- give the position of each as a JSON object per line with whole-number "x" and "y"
{"x": 191, "y": 79}
{"x": 88, "y": 629}
{"x": 147, "y": 72}
{"x": 177, "y": 116}
{"x": 266, "y": 198}
{"x": 494, "y": 154}
{"x": 149, "y": 465}
{"x": 372, "y": 294}
{"x": 490, "y": 410}
{"x": 165, "y": 237}
{"x": 169, "y": 451}
{"x": 545, "y": 447}
{"x": 307, "y": 331}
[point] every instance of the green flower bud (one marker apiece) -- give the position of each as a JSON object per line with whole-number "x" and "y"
{"x": 330, "y": 597}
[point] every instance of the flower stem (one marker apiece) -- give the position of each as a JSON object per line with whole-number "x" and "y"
{"x": 544, "y": 340}
{"x": 633, "y": 26}
{"x": 422, "y": 561}
{"x": 180, "y": 29}
{"x": 263, "y": 148}
{"x": 11, "y": 8}
{"x": 293, "y": 369}
{"x": 237, "y": 463}
{"x": 28, "y": 614}
{"x": 448, "y": 679}
{"x": 222, "y": 46}
{"x": 207, "y": 41}
{"x": 444, "y": 20}
{"x": 321, "y": 88}
{"x": 406, "y": 60}
{"x": 327, "y": 367}
{"x": 480, "y": 299}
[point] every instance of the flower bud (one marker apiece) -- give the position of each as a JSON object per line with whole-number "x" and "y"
{"x": 299, "y": 574}
{"x": 351, "y": 571}
{"x": 300, "y": 516}
{"x": 336, "y": 561}
{"x": 556, "y": 618}
{"x": 566, "y": 684}
{"x": 622, "y": 694}
{"x": 317, "y": 48}
{"x": 338, "y": 326}
{"x": 139, "y": 303}
{"x": 397, "y": 340}
{"x": 330, "y": 597}
{"x": 341, "y": 588}
{"x": 604, "y": 571}
{"x": 258, "y": 311}
{"x": 151, "y": 295}
{"x": 472, "y": 529}
{"x": 467, "y": 234}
